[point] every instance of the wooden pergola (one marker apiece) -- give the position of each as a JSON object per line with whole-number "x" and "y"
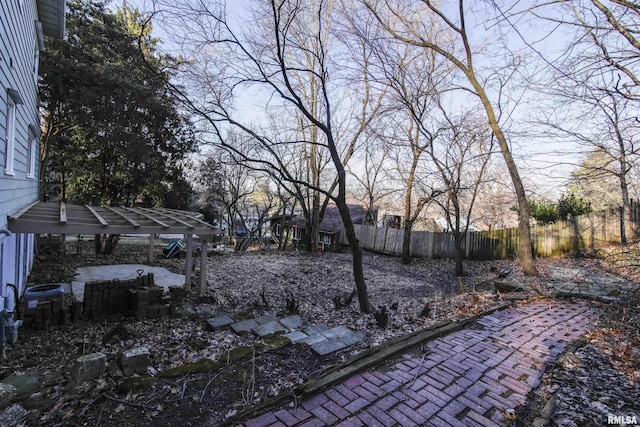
{"x": 64, "y": 218}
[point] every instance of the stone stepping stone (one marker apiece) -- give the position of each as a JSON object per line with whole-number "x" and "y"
{"x": 226, "y": 310}
{"x": 352, "y": 338}
{"x": 220, "y": 321}
{"x": 271, "y": 328}
{"x": 244, "y": 326}
{"x": 296, "y": 336}
{"x": 315, "y": 329}
{"x": 328, "y": 346}
{"x": 337, "y": 332}
{"x": 267, "y": 318}
{"x": 293, "y": 322}
{"x": 313, "y": 339}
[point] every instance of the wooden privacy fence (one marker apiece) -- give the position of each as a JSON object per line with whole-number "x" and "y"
{"x": 423, "y": 243}
{"x": 585, "y": 231}
{"x": 591, "y": 230}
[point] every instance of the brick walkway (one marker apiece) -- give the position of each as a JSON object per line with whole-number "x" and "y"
{"x": 465, "y": 378}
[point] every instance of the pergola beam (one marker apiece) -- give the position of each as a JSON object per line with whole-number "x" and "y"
{"x": 166, "y": 215}
{"x": 21, "y": 212}
{"x": 123, "y": 216}
{"x": 189, "y": 264}
{"x": 63, "y": 212}
{"x": 149, "y": 217}
{"x": 97, "y": 216}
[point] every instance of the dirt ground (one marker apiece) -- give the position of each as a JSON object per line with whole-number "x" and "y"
{"x": 256, "y": 283}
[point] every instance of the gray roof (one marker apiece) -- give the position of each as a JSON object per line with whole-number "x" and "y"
{"x": 52, "y": 13}
{"x": 332, "y": 221}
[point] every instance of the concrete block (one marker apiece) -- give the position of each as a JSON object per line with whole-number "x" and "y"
{"x": 135, "y": 361}
{"x": 87, "y": 368}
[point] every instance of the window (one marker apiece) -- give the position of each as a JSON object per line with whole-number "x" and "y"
{"x": 38, "y": 47}
{"x": 12, "y": 100}
{"x": 11, "y": 136}
{"x": 36, "y": 61}
{"x": 32, "y": 152}
{"x": 296, "y": 235}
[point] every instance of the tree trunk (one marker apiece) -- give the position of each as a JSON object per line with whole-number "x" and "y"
{"x": 624, "y": 209}
{"x": 526, "y": 252}
{"x": 458, "y": 254}
{"x": 312, "y": 244}
{"x": 406, "y": 241}
{"x": 356, "y": 252}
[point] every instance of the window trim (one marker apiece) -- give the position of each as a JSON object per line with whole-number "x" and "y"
{"x": 9, "y": 155}
{"x": 33, "y": 144}
{"x": 13, "y": 100}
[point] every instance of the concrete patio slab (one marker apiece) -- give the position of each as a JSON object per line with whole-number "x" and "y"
{"x": 161, "y": 276}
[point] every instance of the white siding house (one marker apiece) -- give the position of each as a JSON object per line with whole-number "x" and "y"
{"x": 23, "y": 24}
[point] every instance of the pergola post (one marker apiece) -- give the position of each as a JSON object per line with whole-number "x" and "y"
{"x": 203, "y": 264}
{"x": 151, "y": 243}
{"x": 189, "y": 263}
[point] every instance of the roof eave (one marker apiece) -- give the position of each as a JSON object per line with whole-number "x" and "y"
{"x": 52, "y": 15}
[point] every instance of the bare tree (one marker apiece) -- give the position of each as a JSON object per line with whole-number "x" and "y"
{"x": 413, "y": 24}
{"x": 269, "y": 60}
{"x": 461, "y": 161}
{"x": 597, "y": 89}
{"x": 371, "y": 176}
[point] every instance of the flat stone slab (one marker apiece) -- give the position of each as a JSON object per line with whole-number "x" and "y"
{"x": 565, "y": 273}
{"x": 267, "y": 318}
{"x": 315, "y": 329}
{"x": 328, "y": 346}
{"x": 226, "y": 311}
{"x": 337, "y": 332}
{"x": 296, "y": 336}
{"x": 352, "y": 338}
{"x": 220, "y": 321}
{"x": 25, "y": 384}
{"x": 271, "y": 328}
{"x": 244, "y": 326}
{"x": 507, "y": 286}
{"x": 7, "y": 393}
{"x": 293, "y": 322}
{"x": 313, "y": 339}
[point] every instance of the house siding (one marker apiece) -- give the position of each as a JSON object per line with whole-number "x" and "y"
{"x": 18, "y": 44}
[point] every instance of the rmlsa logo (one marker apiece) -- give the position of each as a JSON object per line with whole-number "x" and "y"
{"x": 622, "y": 419}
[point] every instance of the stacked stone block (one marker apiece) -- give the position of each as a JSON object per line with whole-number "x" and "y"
{"x": 138, "y": 297}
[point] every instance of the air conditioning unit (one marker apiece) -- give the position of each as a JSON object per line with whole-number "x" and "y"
{"x": 39, "y": 293}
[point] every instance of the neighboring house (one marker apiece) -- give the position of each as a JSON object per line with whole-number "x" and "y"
{"x": 330, "y": 229}
{"x": 23, "y": 24}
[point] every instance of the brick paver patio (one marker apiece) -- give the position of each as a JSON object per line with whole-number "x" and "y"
{"x": 469, "y": 377}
